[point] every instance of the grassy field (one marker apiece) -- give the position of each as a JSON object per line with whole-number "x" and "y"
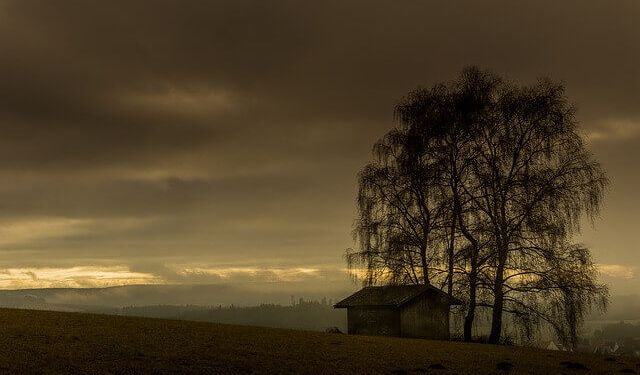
{"x": 57, "y": 343}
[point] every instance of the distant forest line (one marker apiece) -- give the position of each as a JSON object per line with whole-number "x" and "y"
{"x": 302, "y": 315}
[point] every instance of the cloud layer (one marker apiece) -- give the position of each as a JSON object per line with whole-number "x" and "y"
{"x": 228, "y": 134}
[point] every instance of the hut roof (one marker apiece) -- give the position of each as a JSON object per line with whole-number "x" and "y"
{"x": 391, "y": 295}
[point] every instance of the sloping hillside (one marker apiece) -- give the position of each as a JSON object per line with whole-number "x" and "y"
{"x": 55, "y": 342}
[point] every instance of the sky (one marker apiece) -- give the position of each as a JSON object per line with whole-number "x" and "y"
{"x": 218, "y": 141}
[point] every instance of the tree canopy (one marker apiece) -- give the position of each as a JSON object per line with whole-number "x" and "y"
{"x": 480, "y": 188}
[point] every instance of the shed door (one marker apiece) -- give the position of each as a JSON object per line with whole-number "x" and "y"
{"x": 374, "y": 321}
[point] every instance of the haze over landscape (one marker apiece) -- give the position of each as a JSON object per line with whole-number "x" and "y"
{"x": 202, "y": 143}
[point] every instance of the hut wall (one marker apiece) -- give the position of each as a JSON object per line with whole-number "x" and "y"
{"x": 425, "y": 318}
{"x": 373, "y": 320}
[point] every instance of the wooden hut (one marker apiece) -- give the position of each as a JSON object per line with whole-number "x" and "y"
{"x": 399, "y": 310}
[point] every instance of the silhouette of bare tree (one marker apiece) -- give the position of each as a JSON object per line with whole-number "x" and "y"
{"x": 481, "y": 188}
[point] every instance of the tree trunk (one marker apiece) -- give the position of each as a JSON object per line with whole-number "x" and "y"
{"x": 473, "y": 273}
{"x": 452, "y": 244}
{"x": 425, "y": 264}
{"x": 471, "y": 309}
{"x": 498, "y": 301}
{"x": 496, "y": 317}
{"x": 455, "y": 214}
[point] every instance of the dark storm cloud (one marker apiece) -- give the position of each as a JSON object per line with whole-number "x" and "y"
{"x": 232, "y": 130}
{"x": 73, "y": 71}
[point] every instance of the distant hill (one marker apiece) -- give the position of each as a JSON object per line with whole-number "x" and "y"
{"x": 238, "y": 294}
{"x": 72, "y": 343}
{"x": 210, "y": 303}
{"x": 305, "y": 315}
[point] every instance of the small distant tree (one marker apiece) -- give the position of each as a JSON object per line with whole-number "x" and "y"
{"x": 480, "y": 189}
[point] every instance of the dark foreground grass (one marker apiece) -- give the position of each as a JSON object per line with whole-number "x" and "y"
{"x": 58, "y": 343}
